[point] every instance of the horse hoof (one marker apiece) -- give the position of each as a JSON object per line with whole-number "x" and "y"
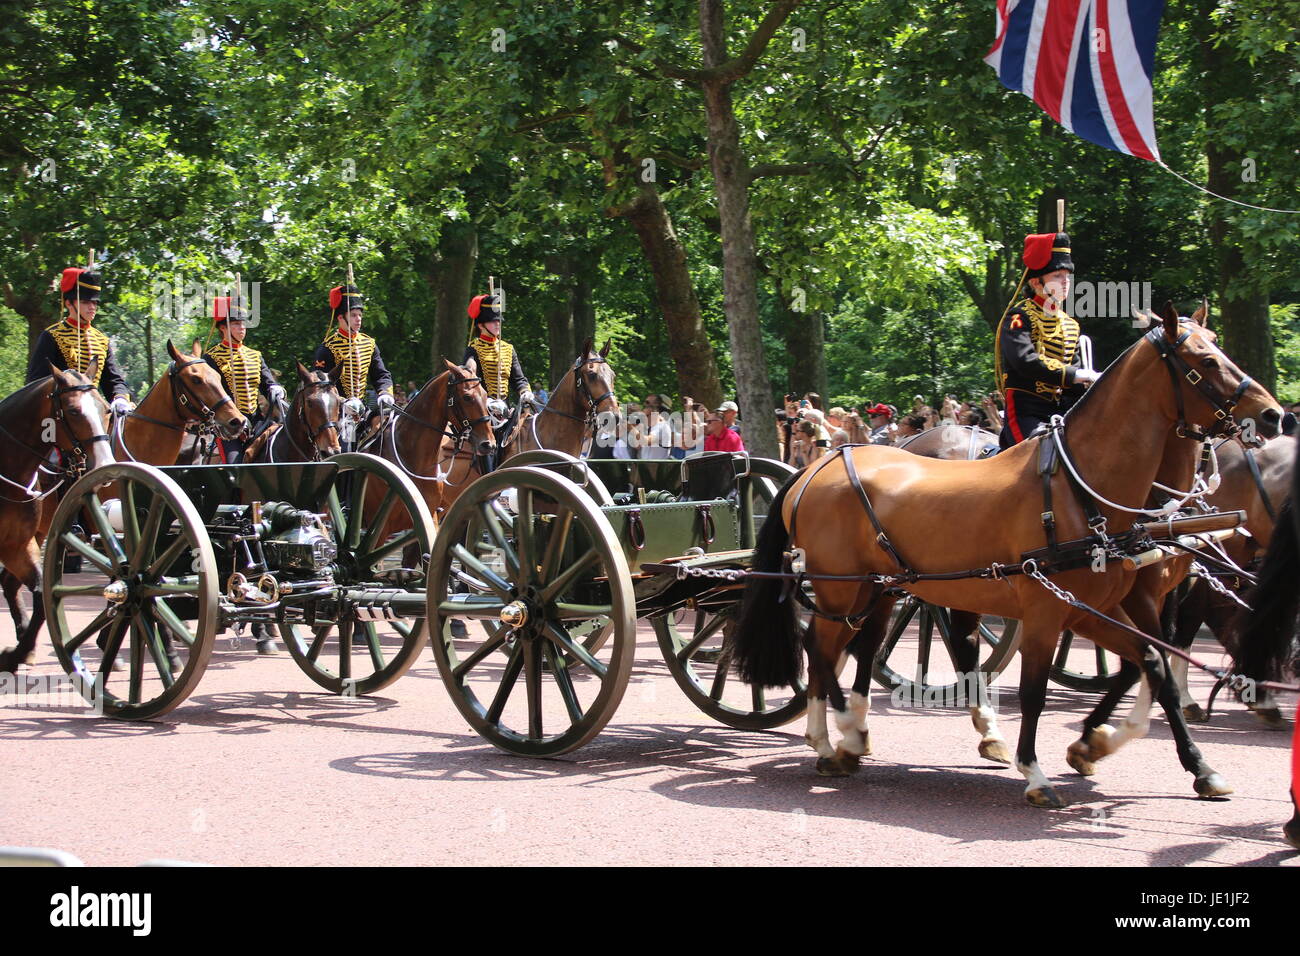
{"x": 849, "y": 762}
{"x": 267, "y": 647}
{"x": 1271, "y": 718}
{"x": 866, "y": 744}
{"x": 1045, "y": 797}
{"x": 1212, "y": 786}
{"x": 1291, "y": 831}
{"x": 995, "y": 750}
{"x": 8, "y": 662}
{"x": 830, "y": 767}
{"x": 1099, "y": 742}
{"x": 1077, "y": 756}
{"x": 30, "y": 659}
{"x": 174, "y": 662}
{"x": 1195, "y": 714}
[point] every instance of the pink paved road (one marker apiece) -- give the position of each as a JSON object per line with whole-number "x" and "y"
{"x": 257, "y": 767}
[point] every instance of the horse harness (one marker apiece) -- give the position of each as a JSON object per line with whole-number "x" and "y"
{"x": 188, "y": 406}
{"x": 312, "y": 434}
{"x": 76, "y": 457}
{"x": 458, "y": 427}
{"x": 580, "y": 386}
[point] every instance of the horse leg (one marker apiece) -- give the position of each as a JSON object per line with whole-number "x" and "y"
{"x": 1191, "y": 615}
{"x": 12, "y": 591}
{"x": 826, "y": 640}
{"x": 865, "y": 644}
{"x": 24, "y": 566}
{"x": 1220, "y": 615}
{"x": 1036, "y": 649}
{"x": 965, "y": 649}
{"x": 1080, "y": 754}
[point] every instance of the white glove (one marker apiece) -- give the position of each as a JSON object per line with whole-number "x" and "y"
{"x": 526, "y": 398}
{"x": 121, "y": 405}
{"x": 354, "y": 406}
{"x": 1085, "y": 376}
{"x": 496, "y": 408}
{"x": 385, "y": 400}
{"x": 277, "y": 393}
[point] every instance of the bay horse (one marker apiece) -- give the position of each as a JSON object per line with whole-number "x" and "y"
{"x": 450, "y": 410}
{"x": 189, "y": 391}
{"x": 57, "y": 412}
{"x": 310, "y": 431}
{"x": 878, "y": 508}
{"x": 563, "y": 424}
{"x": 1267, "y": 647}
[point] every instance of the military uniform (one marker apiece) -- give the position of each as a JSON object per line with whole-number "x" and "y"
{"x": 1037, "y": 349}
{"x": 498, "y": 361}
{"x": 243, "y": 372}
{"x": 357, "y": 353}
{"x": 74, "y": 342}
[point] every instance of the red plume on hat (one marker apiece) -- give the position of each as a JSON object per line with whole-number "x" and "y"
{"x": 336, "y": 296}
{"x": 1047, "y": 252}
{"x": 83, "y": 283}
{"x": 475, "y": 304}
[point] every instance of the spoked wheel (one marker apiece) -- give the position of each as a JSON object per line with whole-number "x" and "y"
{"x": 562, "y": 463}
{"x": 1081, "y": 665}
{"x": 383, "y": 533}
{"x": 912, "y": 664}
{"x": 529, "y": 555}
{"x": 692, "y": 643}
{"x": 146, "y": 592}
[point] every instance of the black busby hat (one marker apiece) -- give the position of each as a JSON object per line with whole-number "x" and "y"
{"x": 345, "y": 298}
{"x": 486, "y": 308}
{"x": 1046, "y": 253}
{"x": 83, "y": 284}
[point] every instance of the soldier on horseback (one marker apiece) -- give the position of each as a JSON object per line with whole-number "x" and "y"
{"x": 243, "y": 370}
{"x": 73, "y": 341}
{"x": 498, "y": 363}
{"x": 358, "y": 353}
{"x": 1038, "y": 344}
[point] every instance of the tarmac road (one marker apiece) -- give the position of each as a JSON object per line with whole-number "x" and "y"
{"x": 259, "y": 768}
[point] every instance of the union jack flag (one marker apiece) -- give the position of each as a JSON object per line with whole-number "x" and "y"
{"x": 1088, "y": 63}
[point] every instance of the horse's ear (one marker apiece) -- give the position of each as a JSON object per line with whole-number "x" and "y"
{"x": 93, "y": 367}
{"x": 171, "y": 350}
{"x": 450, "y": 365}
{"x": 471, "y": 366}
{"x": 604, "y": 353}
{"x": 586, "y": 349}
{"x": 55, "y": 370}
{"x": 303, "y": 375}
{"x": 1169, "y": 315}
{"x": 1202, "y": 314}
{"x": 335, "y": 373}
{"x": 196, "y": 349}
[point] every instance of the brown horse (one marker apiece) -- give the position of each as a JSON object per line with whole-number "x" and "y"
{"x": 990, "y": 514}
{"x": 55, "y": 412}
{"x": 190, "y": 391}
{"x": 569, "y": 416}
{"x": 452, "y": 409}
{"x": 310, "y": 431}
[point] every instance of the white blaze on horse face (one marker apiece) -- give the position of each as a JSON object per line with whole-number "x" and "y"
{"x": 100, "y": 453}
{"x": 817, "y": 737}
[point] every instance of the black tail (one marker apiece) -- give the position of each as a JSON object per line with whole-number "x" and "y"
{"x": 766, "y": 642}
{"x": 1267, "y": 635}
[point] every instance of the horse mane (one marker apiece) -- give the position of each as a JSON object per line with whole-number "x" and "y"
{"x": 23, "y": 394}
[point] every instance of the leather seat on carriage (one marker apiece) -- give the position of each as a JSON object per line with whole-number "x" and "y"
{"x": 708, "y": 476}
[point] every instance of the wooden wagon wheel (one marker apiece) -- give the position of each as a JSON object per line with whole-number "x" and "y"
{"x": 1095, "y": 671}
{"x": 353, "y": 654}
{"x": 151, "y": 585}
{"x": 577, "y": 471}
{"x": 553, "y": 569}
{"x": 692, "y": 641}
{"x": 998, "y": 641}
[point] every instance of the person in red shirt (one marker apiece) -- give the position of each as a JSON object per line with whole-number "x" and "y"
{"x": 718, "y": 437}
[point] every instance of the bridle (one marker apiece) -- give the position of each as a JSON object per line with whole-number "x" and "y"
{"x": 580, "y": 386}
{"x": 458, "y": 426}
{"x": 312, "y": 434}
{"x": 76, "y": 456}
{"x": 1178, "y": 366}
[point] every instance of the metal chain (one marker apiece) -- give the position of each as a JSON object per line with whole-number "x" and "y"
{"x": 1215, "y": 584}
{"x": 1030, "y": 568}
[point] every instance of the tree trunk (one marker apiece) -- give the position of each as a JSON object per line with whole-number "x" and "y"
{"x": 558, "y": 308}
{"x": 740, "y": 291}
{"x": 805, "y": 341}
{"x": 688, "y": 345}
{"x": 36, "y": 306}
{"x": 584, "y": 309}
{"x": 451, "y": 276}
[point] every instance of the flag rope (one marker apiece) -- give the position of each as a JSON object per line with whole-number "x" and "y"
{"x": 1238, "y": 202}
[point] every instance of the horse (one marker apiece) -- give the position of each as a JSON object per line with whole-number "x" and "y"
{"x": 310, "y": 432}
{"x": 195, "y": 393}
{"x": 54, "y": 412}
{"x": 452, "y": 406}
{"x": 952, "y": 442}
{"x": 1196, "y": 604}
{"x": 562, "y": 424}
{"x": 994, "y": 512}
{"x": 1266, "y": 642}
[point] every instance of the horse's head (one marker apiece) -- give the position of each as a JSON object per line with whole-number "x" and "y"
{"x": 319, "y": 406}
{"x": 594, "y": 380}
{"x": 1210, "y": 392}
{"x": 467, "y": 410}
{"x": 79, "y": 415}
{"x": 199, "y": 394}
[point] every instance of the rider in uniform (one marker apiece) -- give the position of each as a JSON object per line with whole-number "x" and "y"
{"x": 73, "y": 341}
{"x": 1037, "y": 343}
{"x": 243, "y": 371}
{"x": 498, "y": 362}
{"x": 358, "y": 353}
